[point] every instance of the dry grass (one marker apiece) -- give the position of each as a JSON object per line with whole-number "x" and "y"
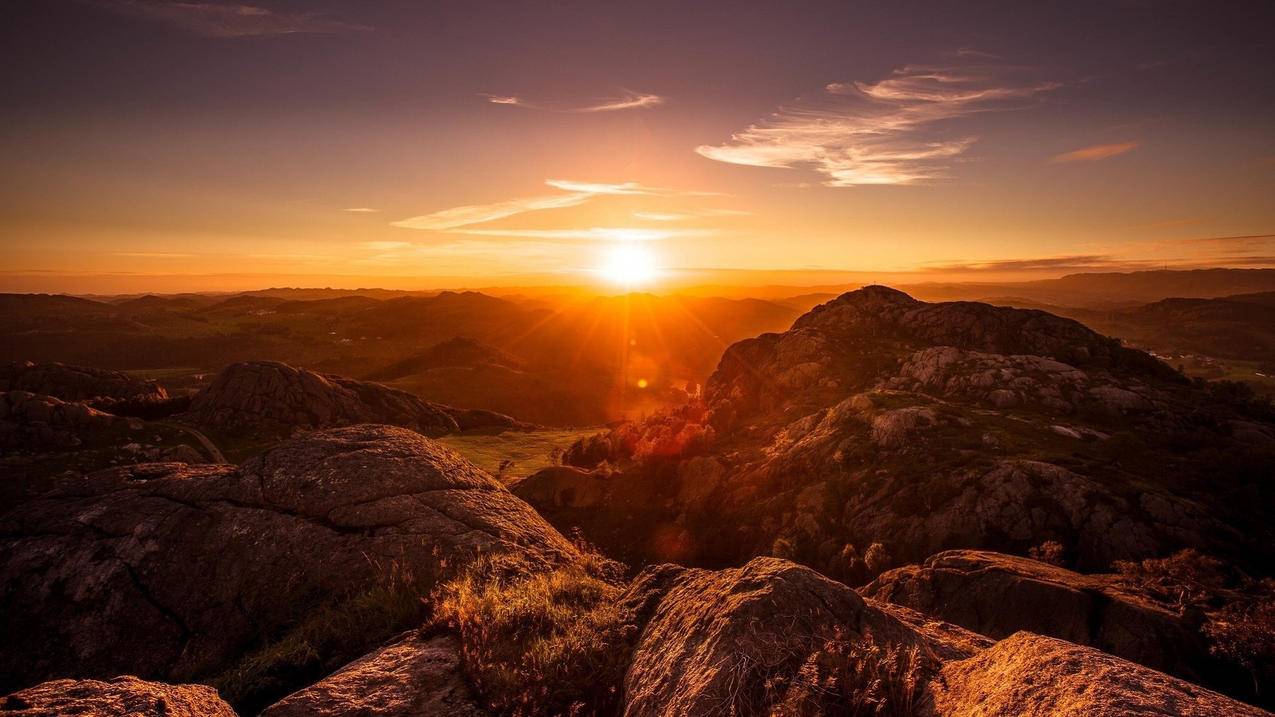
{"x": 540, "y": 643}
{"x": 852, "y": 677}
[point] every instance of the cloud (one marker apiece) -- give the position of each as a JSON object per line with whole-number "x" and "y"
{"x": 624, "y": 234}
{"x": 503, "y": 99}
{"x": 1235, "y": 243}
{"x": 1095, "y": 153}
{"x": 626, "y": 101}
{"x": 577, "y": 193}
{"x": 448, "y": 219}
{"x": 361, "y": 210}
{"x": 1076, "y": 262}
{"x": 232, "y": 20}
{"x": 688, "y": 214}
{"x": 603, "y": 188}
{"x": 893, "y": 131}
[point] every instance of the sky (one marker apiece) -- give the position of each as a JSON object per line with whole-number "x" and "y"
{"x": 204, "y": 144}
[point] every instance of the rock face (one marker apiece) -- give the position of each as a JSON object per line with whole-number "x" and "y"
{"x": 276, "y": 397}
{"x": 120, "y": 697}
{"x": 103, "y": 387}
{"x": 412, "y": 677}
{"x": 927, "y": 427}
{"x": 172, "y": 570}
{"x": 997, "y": 595}
{"x": 1033, "y": 675}
{"x": 715, "y": 639}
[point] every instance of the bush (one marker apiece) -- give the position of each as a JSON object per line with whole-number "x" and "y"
{"x": 1185, "y": 579}
{"x": 1050, "y": 551}
{"x": 540, "y": 643}
{"x": 853, "y": 677}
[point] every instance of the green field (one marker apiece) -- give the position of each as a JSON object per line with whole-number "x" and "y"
{"x": 529, "y": 451}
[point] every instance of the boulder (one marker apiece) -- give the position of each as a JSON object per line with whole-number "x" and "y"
{"x": 413, "y": 676}
{"x": 562, "y": 487}
{"x": 172, "y": 570}
{"x": 732, "y": 641}
{"x": 997, "y": 595}
{"x": 1032, "y": 675}
{"x": 119, "y": 697}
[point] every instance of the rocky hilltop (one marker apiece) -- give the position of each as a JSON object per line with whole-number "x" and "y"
{"x": 275, "y": 398}
{"x": 768, "y": 638}
{"x": 174, "y": 571}
{"x": 879, "y": 419}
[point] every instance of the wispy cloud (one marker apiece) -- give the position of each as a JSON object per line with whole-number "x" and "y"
{"x": 577, "y": 193}
{"x": 361, "y": 210}
{"x": 688, "y": 214}
{"x": 620, "y": 234}
{"x": 894, "y": 131}
{"x": 624, "y": 101}
{"x": 232, "y": 20}
{"x": 1095, "y": 153}
{"x": 1075, "y": 262}
{"x": 479, "y": 213}
{"x": 628, "y": 101}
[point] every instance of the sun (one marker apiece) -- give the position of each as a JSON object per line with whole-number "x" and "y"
{"x": 629, "y": 265}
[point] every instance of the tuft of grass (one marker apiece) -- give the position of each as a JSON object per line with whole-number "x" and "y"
{"x": 852, "y": 677}
{"x": 327, "y": 637}
{"x": 540, "y": 643}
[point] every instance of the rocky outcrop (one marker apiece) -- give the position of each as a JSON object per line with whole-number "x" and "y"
{"x": 33, "y": 423}
{"x": 103, "y": 387}
{"x": 1032, "y": 675}
{"x": 411, "y": 677}
{"x": 773, "y": 637}
{"x": 997, "y": 595}
{"x": 736, "y": 641}
{"x": 928, "y": 427}
{"x": 173, "y": 570}
{"x": 120, "y": 697}
{"x": 276, "y": 397}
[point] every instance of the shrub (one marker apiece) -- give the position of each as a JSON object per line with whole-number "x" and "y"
{"x": 540, "y": 643}
{"x": 877, "y": 559}
{"x": 1185, "y": 579}
{"x": 853, "y": 677}
{"x": 1050, "y": 551}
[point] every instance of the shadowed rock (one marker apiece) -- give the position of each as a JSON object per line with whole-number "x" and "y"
{"x": 120, "y": 697}
{"x": 412, "y": 677}
{"x": 34, "y": 423}
{"x": 997, "y": 595}
{"x": 79, "y": 383}
{"x": 172, "y": 570}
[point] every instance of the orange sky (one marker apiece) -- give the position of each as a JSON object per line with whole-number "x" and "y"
{"x": 151, "y": 143}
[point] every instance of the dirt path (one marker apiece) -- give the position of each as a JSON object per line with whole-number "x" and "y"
{"x": 204, "y": 441}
